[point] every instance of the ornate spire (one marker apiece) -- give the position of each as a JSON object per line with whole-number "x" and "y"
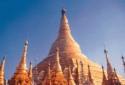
{"x": 123, "y": 61}
{"x": 116, "y": 77}
{"x": 82, "y": 76}
{"x": 3, "y": 64}
{"x": 109, "y": 66}
{"x": 22, "y": 76}
{"x": 2, "y": 71}
{"x": 77, "y": 78}
{"x": 22, "y": 64}
{"x": 70, "y": 77}
{"x": 30, "y": 71}
{"x": 104, "y": 80}
{"x": 49, "y": 74}
{"x": 64, "y": 26}
{"x": 90, "y": 76}
{"x": 57, "y": 74}
{"x": 65, "y": 42}
{"x": 57, "y": 62}
{"x": 47, "y": 80}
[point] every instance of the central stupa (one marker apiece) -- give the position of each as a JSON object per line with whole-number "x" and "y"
{"x": 69, "y": 53}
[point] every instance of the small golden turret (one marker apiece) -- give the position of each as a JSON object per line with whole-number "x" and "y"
{"x": 104, "y": 80}
{"x": 21, "y": 76}
{"x": 70, "y": 78}
{"x": 109, "y": 66}
{"x": 2, "y": 71}
{"x": 57, "y": 62}
{"x": 47, "y": 80}
{"x": 30, "y": 71}
{"x": 116, "y": 78}
{"x": 22, "y": 65}
{"x": 57, "y": 75}
{"x": 90, "y": 79}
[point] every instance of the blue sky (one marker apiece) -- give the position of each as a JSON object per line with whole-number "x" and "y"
{"x": 93, "y": 24}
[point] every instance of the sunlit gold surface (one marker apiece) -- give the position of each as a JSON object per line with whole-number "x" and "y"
{"x": 69, "y": 52}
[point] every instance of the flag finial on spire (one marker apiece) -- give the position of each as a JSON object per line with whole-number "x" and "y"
{"x": 63, "y": 11}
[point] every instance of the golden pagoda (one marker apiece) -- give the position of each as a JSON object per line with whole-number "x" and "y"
{"x": 69, "y": 53}
{"x": 2, "y": 79}
{"x": 112, "y": 77}
{"x": 22, "y": 76}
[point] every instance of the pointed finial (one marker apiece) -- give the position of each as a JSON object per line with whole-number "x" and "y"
{"x": 102, "y": 67}
{"x": 3, "y": 60}
{"x": 104, "y": 80}
{"x": 30, "y": 70}
{"x": 26, "y": 42}
{"x": 63, "y": 11}
{"x": 123, "y": 61}
{"x": 3, "y": 63}
{"x": 122, "y": 57}
{"x": 57, "y": 54}
{"x": 4, "y": 57}
{"x": 116, "y": 76}
{"x": 105, "y": 51}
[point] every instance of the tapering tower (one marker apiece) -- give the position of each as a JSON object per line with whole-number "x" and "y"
{"x": 90, "y": 79}
{"x": 2, "y": 79}
{"x": 69, "y": 52}
{"x": 57, "y": 74}
{"x": 70, "y": 80}
{"x": 21, "y": 76}
{"x": 30, "y": 73}
{"x": 48, "y": 79}
{"x": 112, "y": 76}
{"x": 104, "y": 80}
{"x": 116, "y": 78}
{"x": 109, "y": 66}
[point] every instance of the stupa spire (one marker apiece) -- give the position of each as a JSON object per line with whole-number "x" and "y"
{"x": 22, "y": 76}
{"x": 3, "y": 64}
{"x": 64, "y": 26}
{"x": 65, "y": 42}
{"x": 115, "y": 73}
{"x": 70, "y": 77}
{"x": 49, "y": 74}
{"x": 104, "y": 80}
{"x": 109, "y": 66}
{"x": 57, "y": 62}
{"x": 22, "y": 64}
{"x": 30, "y": 71}
{"x": 2, "y": 71}
{"x": 90, "y": 75}
{"x": 47, "y": 80}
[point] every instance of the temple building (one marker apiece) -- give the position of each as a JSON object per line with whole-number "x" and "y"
{"x": 71, "y": 64}
{"x": 64, "y": 65}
